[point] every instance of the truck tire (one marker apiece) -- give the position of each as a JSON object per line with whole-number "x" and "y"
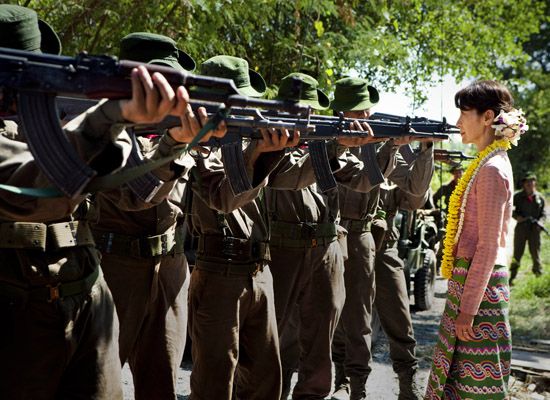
{"x": 424, "y": 282}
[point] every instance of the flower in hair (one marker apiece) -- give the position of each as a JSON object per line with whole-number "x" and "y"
{"x": 510, "y": 125}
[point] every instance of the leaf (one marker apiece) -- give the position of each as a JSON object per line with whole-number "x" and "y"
{"x": 319, "y": 28}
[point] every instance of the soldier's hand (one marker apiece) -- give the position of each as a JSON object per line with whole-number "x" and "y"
{"x": 191, "y": 122}
{"x": 276, "y": 139}
{"x": 359, "y": 141}
{"x": 152, "y": 98}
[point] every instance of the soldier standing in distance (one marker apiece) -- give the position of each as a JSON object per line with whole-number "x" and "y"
{"x": 529, "y": 212}
{"x": 445, "y": 191}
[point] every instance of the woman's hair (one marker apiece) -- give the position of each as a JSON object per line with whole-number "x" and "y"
{"x": 484, "y": 95}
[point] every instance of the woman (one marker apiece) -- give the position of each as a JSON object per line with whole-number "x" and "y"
{"x": 472, "y": 356}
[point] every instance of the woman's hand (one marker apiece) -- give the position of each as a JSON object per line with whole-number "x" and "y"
{"x": 464, "y": 327}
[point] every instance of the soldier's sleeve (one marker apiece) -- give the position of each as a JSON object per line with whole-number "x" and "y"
{"x": 415, "y": 179}
{"x": 212, "y": 184}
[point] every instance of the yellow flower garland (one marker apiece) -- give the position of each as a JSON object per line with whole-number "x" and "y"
{"x": 455, "y": 216}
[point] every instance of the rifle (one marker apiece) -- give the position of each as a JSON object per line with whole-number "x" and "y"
{"x": 314, "y": 129}
{"x": 35, "y": 79}
{"x": 449, "y": 156}
{"x": 533, "y": 220}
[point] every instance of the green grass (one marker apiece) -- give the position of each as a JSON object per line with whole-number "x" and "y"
{"x": 530, "y": 300}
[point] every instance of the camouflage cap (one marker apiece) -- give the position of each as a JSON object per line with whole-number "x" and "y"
{"x": 155, "y": 49}
{"x": 310, "y": 94}
{"x": 21, "y": 29}
{"x": 529, "y": 176}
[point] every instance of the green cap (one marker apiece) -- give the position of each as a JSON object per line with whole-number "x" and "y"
{"x": 309, "y": 95}
{"x": 248, "y": 82}
{"x": 354, "y": 94}
{"x": 154, "y": 49}
{"x": 529, "y": 176}
{"x": 21, "y": 29}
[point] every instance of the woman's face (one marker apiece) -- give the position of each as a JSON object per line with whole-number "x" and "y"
{"x": 472, "y": 126}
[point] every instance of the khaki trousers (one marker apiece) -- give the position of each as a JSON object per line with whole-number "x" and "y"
{"x": 234, "y": 334}
{"x": 308, "y": 282}
{"x": 352, "y": 342}
{"x": 151, "y": 300}
{"x": 67, "y": 349}
{"x": 393, "y": 306}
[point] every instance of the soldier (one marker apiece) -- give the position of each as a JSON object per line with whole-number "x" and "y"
{"x": 529, "y": 212}
{"x": 142, "y": 250}
{"x": 445, "y": 191}
{"x": 231, "y": 309}
{"x": 307, "y": 261}
{"x": 60, "y": 327}
{"x": 352, "y": 342}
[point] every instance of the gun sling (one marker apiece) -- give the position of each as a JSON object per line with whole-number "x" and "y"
{"x": 50, "y": 293}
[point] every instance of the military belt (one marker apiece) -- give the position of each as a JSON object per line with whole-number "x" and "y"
{"x": 229, "y": 268}
{"x": 356, "y": 225}
{"x": 168, "y": 243}
{"x": 232, "y": 249}
{"x": 50, "y": 292}
{"x": 51, "y": 237}
{"x": 285, "y": 234}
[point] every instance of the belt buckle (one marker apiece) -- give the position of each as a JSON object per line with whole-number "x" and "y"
{"x": 228, "y": 247}
{"x": 314, "y": 242}
{"x": 54, "y": 293}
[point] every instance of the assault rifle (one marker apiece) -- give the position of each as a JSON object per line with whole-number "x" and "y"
{"x": 533, "y": 220}
{"x": 450, "y": 156}
{"x": 314, "y": 129}
{"x": 34, "y": 80}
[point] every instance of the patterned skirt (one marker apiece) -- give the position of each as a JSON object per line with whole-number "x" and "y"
{"x": 477, "y": 369}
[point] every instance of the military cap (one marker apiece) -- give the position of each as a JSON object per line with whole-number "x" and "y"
{"x": 248, "y": 82}
{"x": 353, "y": 94}
{"x": 21, "y": 29}
{"x": 529, "y": 176}
{"x": 154, "y": 49}
{"x": 310, "y": 94}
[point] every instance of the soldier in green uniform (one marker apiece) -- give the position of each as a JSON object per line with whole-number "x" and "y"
{"x": 445, "y": 191}
{"x": 231, "y": 308}
{"x": 307, "y": 261}
{"x": 352, "y": 343}
{"x": 60, "y": 326}
{"x": 529, "y": 212}
{"x": 142, "y": 249}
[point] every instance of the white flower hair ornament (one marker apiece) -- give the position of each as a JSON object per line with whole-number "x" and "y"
{"x": 510, "y": 125}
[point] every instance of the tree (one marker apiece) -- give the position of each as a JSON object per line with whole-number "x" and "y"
{"x": 389, "y": 42}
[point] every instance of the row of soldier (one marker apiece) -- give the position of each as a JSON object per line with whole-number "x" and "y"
{"x": 285, "y": 278}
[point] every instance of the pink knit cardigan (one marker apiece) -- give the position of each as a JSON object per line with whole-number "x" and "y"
{"x": 485, "y": 230}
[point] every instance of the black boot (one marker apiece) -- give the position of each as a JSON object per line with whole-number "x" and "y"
{"x": 341, "y": 383}
{"x": 357, "y": 386}
{"x": 408, "y": 387}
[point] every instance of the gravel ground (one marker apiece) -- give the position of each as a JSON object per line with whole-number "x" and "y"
{"x": 382, "y": 383}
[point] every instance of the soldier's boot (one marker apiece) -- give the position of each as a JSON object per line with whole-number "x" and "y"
{"x": 287, "y": 380}
{"x": 408, "y": 387}
{"x": 357, "y": 386}
{"x": 341, "y": 383}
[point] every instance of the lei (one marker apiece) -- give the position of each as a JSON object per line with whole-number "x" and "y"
{"x": 457, "y": 203}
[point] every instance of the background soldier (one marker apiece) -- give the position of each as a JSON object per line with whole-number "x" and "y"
{"x": 530, "y": 214}
{"x": 445, "y": 191}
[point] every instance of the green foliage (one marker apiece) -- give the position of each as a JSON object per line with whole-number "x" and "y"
{"x": 390, "y": 42}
